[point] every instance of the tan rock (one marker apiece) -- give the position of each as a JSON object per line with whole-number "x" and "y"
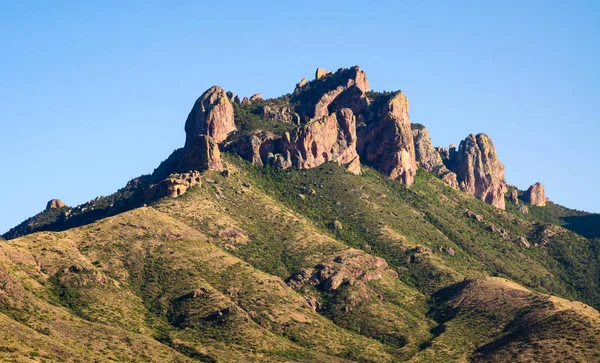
{"x": 450, "y": 179}
{"x": 330, "y": 139}
{"x": 211, "y": 115}
{"x": 524, "y": 209}
{"x": 425, "y": 154}
{"x": 387, "y": 143}
{"x": 320, "y": 73}
{"x": 479, "y": 171}
{"x": 202, "y": 154}
{"x": 536, "y": 195}
{"x": 323, "y": 96}
{"x": 55, "y": 204}
{"x": 256, "y": 97}
{"x": 174, "y": 186}
{"x": 514, "y": 196}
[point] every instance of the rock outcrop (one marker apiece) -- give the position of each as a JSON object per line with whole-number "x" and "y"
{"x": 211, "y": 115}
{"x": 320, "y": 73}
{"x": 174, "y": 186}
{"x": 332, "y": 138}
{"x": 536, "y": 195}
{"x": 330, "y": 92}
{"x": 387, "y": 141}
{"x": 202, "y": 154}
{"x": 514, "y": 196}
{"x": 478, "y": 170}
{"x": 352, "y": 266}
{"x": 256, "y": 97}
{"x": 55, "y": 204}
{"x": 428, "y": 157}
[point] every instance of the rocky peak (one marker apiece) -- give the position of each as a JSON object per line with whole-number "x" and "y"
{"x": 330, "y": 92}
{"x": 55, "y": 204}
{"x": 479, "y": 171}
{"x": 536, "y": 195}
{"x": 211, "y": 115}
{"x": 387, "y": 142}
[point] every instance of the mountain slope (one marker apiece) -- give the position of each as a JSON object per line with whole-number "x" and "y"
{"x": 324, "y": 232}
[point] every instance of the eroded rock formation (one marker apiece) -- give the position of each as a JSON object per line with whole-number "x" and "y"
{"x": 174, "y": 186}
{"x": 478, "y": 170}
{"x": 211, "y": 115}
{"x": 387, "y": 141}
{"x": 536, "y": 195}
{"x": 55, "y": 203}
{"x": 332, "y": 138}
{"x": 428, "y": 157}
{"x": 330, "y": 92}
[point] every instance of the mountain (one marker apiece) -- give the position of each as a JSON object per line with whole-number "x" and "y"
{"x": 319, "y": 226}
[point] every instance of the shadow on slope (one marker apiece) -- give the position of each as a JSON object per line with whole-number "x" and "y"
{"x": 587, "y": 226}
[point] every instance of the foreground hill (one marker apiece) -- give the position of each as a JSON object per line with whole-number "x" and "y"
{"x": 329, "y": 230}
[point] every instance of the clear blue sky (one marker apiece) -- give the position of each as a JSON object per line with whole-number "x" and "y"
{"x": 94, "y": 93}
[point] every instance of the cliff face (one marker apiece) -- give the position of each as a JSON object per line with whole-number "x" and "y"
{"x": 330, "y": 92}
{"x": 387, "y": 141}
{"x": 478, "y": 170}
{"x": 536, "y": 195}
{"x": 211, "y": 115}
{"x": 332, "y": 138}
{"x": 428, "y": 157}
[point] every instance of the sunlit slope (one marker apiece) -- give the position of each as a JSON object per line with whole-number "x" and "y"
{"x": 496, "y": 320}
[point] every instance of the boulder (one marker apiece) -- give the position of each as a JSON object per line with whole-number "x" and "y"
{"x": 256, "y": 97}
{"x": 524, "y": 209}
{"x": 536, "y": 195}
{"x": 55, "y": 204}
{"x": 387, "y": 143}
{"x": 450, "y": 179}
{"x": 211, "y": 115}
{"x": 478, "y": 170}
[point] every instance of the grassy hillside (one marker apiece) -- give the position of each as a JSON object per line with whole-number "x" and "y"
{"x": 303, "y": 265}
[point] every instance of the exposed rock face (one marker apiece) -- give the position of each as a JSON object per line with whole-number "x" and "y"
{"x": 211, "y": 115}
{"x": 55, "y": 203}
{"x": 479, "y": 171}
{"x": 202, "y": 154}
{"x": 450, "y": 179}
{"x": 514, "y": 196}
{"x": 174, "y": 186}
{"x": 387, "y": 142}
{"x": 536, "y": 195}
{"x": 429, "y": 157}
{"x": 254, "y": 148}
{"x": 352, "y": 266}
{"x": 425, "y": 154}
{"x": 320, "y": 73}
{"x": 256, "y": 97}
{"x": 332, "y": 138}
{"x": 330, "y": 92}
{"x": 281, "y": 114}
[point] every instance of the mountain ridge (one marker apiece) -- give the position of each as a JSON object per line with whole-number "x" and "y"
{"x": 319, "y": 226}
